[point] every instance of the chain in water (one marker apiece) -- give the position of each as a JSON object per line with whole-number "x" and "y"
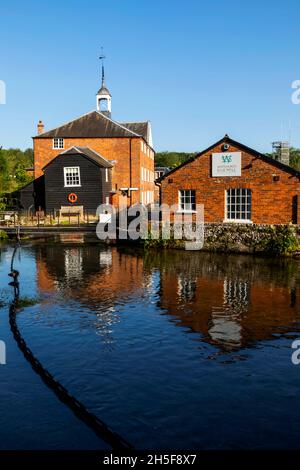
{"x": 94, "y": 423}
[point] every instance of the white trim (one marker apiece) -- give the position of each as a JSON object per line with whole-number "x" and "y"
{"x": 187, "y": 211}
{"x": 65, "y": 181}
{"x": 59, "y": 139}
{"x": 120, "y": 125}
{"x": 103, "y": 97}
{"x": 110, "y": 162}
{"x": 237, "y": 221}
{"x": 226, "y": 218}
{"x": 70, "y": 148}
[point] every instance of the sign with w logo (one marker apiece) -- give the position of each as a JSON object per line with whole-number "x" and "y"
{"x": 226, "y": 164}
{"x": 227, "y": 158}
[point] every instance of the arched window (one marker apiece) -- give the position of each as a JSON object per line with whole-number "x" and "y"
{"x": 238, "y": 204}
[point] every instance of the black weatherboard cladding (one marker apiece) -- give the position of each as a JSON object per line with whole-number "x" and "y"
{"x": 93, "y": 190}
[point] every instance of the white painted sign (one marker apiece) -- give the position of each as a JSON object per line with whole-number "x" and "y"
{"x": 226, "y": 164}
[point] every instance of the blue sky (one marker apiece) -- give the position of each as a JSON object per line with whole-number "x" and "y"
{"x": 196, "y": 69}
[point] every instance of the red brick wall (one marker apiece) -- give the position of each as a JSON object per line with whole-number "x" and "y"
{"x": 118, "y": 149}
{"x": 272, "y": 201}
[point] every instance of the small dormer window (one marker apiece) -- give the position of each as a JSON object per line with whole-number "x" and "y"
{"x": 58, "y": 143}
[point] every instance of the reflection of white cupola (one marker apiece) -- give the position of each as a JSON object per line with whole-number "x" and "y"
{"x": 103, "y": 98}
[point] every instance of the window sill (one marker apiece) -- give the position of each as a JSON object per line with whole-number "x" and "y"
{"x": 73, "y": 186}
{"x": 237, "y": 221}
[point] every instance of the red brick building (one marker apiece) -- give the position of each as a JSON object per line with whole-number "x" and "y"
{"x": 127, "y": 147}
{"x": 236, "y": 184}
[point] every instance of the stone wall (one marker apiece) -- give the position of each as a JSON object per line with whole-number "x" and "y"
{"x": 252, "y": 238}
{"x": 275, "y": 240}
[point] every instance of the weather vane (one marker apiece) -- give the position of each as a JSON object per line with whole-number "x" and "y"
{"x": 102, "y": 57}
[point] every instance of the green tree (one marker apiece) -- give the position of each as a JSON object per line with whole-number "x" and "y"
{"x": 4, "y": 178}
{"x": 22, "y": 177}
{"x": 13, "y": 165}
{"x": 295, "y": 158}
{"x": 171, "y": 159}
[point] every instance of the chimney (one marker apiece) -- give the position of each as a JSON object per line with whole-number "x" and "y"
{"x": 40, "y": 127}
{"x": 281, "y": 151}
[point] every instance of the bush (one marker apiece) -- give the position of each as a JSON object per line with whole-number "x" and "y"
{"x": 3, "y": 235}
{"x": 282, "y": 241}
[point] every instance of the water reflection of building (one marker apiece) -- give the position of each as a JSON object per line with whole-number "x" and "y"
{"x": 231, "y": 301}
{"x": 95, "y": 277}
{"x": 226, "y": 319}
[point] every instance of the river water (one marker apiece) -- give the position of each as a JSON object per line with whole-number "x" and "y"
{"x": 178, "y": 350}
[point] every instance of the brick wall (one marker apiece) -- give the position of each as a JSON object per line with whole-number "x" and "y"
{"x": 273, "y": 202}
{"x": 127, "y": 152}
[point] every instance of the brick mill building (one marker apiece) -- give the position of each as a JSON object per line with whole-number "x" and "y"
{"x": 235, "y": 184}
{"x": 91, "y": 160}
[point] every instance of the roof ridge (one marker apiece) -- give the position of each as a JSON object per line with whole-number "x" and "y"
{"x": 118, "y": 124}
{"x": 136, "y": 122}
{"x": 92, "y": 150}
{"x": 65, "y": 123}
{"x": 86, "y": 155}
{"x": 69, "y": 148}
{"x": 269, "y": 160}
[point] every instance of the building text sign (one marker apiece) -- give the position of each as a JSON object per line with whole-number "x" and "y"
{"x": 226, "y": 164}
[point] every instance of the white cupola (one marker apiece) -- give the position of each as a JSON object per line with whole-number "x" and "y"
{"x": 103, "y": 97}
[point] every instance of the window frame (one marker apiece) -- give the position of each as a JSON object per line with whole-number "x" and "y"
{"x": 65, "y": 177}
{"x": 58, "y": 139}
{"x": 192, "y": 203}
{"x": 238, "y": 209}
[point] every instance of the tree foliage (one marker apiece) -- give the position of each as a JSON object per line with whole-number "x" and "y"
{"x": 13, "y": 164}
{"x": 171, "y": 159}
{"x": 295, "y": 158}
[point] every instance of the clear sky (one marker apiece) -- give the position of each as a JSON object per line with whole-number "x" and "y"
{"x": 196, "y": 69}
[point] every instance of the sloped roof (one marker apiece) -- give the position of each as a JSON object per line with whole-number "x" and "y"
{"x": 140, "y": 128}
{"x": 93, "y": 124}
{"x": 87, "y": 152}
{"x": 227, "y": 140}
{"x": 103, "y": 90}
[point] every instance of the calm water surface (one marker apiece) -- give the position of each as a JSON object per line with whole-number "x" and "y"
{"x": 172, "y": 350}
